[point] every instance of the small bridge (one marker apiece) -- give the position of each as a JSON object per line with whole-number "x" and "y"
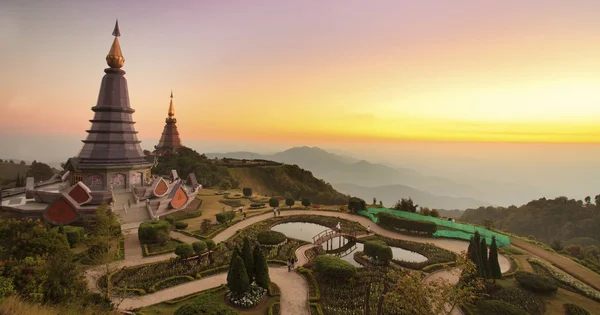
{"x": 329, "y": 234}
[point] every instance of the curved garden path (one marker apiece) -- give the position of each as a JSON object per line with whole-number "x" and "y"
{"x": 293, "y": 287}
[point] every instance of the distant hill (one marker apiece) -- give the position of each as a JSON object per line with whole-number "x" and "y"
{"x": 338, "y": 170}
{"x": 264, "y": 177}
{"x": 9, "y": 171}
{"x": 391, "y": 193}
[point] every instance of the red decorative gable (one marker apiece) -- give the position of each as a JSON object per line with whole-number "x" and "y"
{"x": 180, "y": 199}
{"x": 161, "y": 188}
{"x": 80, "y": 193}
{"x": 62, "y": 211}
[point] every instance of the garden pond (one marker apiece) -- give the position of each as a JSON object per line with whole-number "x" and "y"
{"x": 306, "y": 231}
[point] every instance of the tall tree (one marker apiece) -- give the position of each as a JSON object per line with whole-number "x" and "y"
{"x": 248, "y": 259}
{"x": 235, "y": 253}
{"x": 261, "y": 269}
{"x": 18, "y": 180}
{"x": 483, "y": 252}
{"x": 237, "y": 281}
{"x": 495, "y": 271}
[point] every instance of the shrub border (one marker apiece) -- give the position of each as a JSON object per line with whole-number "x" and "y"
{"x": 145, "y": 252}
{"x": 310, "y": 277}
{"x": 153, "y": 287}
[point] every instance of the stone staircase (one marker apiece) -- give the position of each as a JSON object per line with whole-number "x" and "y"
{"x": 128, "y": 210}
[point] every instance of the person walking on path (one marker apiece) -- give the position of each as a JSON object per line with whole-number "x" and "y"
{"x": 293, "y": 262}
{"x": 244, "y": 215}
{"x": 278, "y": 212}
{"x": 274, "y": 212}
{"x": 368, "y": 229}
{"x": 289, "y": 266}
{"x": 338, "y": 227}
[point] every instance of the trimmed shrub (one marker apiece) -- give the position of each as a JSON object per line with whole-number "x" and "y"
{"x": 225, "y": 217}
{"x": 261, "y": 269}
{"x": 247, "y": 192}
{"x": 74, "y": 234}
{"x": 149, "y": 231}
{"x": 184, "y": 250}
{"x": 199, "y": 247}
{"x": 290, "y": 202}
{"x": 379, "y": 250}
{"x": 391, "y": 221}
{"x": 180, "y": 225}
{"x": 536, "y": 283}
{"x": 270, "y": 237}
{"x": 210, "y": 244}
{"x": 306, "y": 202}
{"x": 237, "y": 281}
{"x": 572, "y": 309}
{"x": 520, "y": 298}
{"x": 273, "y": 202}
{"x": 257, "y": 206}
{"x": 494, "y": 307}
{"x": 334, "y": 267}
{"x": 170, "y": 219}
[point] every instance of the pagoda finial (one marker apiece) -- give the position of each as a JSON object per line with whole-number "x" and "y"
{"x": 115, "y": 59}
{"x": 171, "y": 107}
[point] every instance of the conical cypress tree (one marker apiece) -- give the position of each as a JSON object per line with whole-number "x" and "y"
{"x": 235, "y": 253}
{"x": 18, "y": 180}
{"x": 483, "y": 252}
{"x": 248, "y": 259}
{"x": 237, "y": 281}
{"x": 471, "y": 251}
{"x": 261, "y": 269}
{"x": 496, "y": 272}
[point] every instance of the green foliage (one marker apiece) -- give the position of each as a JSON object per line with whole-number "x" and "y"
{"x": 151, "y": 232}
{"x": 184, "y": 250}
{"x": 261, "y": 269}
{"x": 170, "y": 219}
{"x": 210, "y": 244}
{"x": 6, "y": 287}
{"x": 393, "y": 222}
{"x": 247, "y": 191}
{"x": 536, "y": 283}
{"x": 205, "y": 225}
{"x": 570, "y": 219}
{"x": 290, "y": 202}
{"x": 187, "y": 161}
{"x": 248, "y": 259}
{"x": 199, "y": 247}
{"x": 495, "y": 271}
{"x": 269, "y": 237}
{"x": 306, "y": 202}
{"x": 378, "y": 250}
{"x": 519, "y": 298}
{"x": 238, "y": 282}
{"x": 74, "y": 234}
{"x": 406, "y": 205}
{"x": 225, "y": 217}
{"x": 573, "y": 309}
{"x": 356, "y": 204}
{"x": 273, "y": 202}
{"x": 334, "y": 267}
{"x": 485, "y": 265}
{"x": 181, "y": 225}
{"x": 205, "y": 304}
{"x": 494, "y": 307}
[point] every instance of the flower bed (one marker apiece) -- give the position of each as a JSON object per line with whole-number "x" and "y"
{"x": 255, "y": 206}
{"x": 232, "y": 202}
{"x": 274, "y": 309}
{"x": 569, "y": 282}
{"x": 170, "y": 282}
{"x": 247, "y": 299}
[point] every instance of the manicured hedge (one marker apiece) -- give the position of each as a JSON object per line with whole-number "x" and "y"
{"x": 149, "y": 231}
{"x": 247, "y": 191}
{"x": 393, "y": 222}
{"x": 572, "y": 309}
{"x": 520, "y": 298}
{"x": 494, "y": 307}
{"x": 379, "y": 251}
{"x": 334, "y": 267}
{"x": 536, "y": 283}
{"x": 313, "y": 285}
{"x": 225, "y": 217}
{"x": 74, "y": 234}
{"x": 270, "y": 237}
{"x": 181, "y": 225}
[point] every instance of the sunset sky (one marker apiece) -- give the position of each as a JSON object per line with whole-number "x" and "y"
{"x": 311, "y": 71}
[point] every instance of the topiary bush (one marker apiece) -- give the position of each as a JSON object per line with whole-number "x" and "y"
{"x": 210, "y": 244}
{"x": 74, "y": 234}
{"x": 152, "y": 232}
{"x": 378, "y": 250}
{"x": 536, "y": 283}
{"x": 572, "y": 309}
{"x": 495, "y": 307}
{"x": 184, "y": 250}
{"x": 334, "y": 267}
{"x": 199, "y": 247}
{"x": 180, "y": 225}
{"x": 225, "y": 217}
{"x": 273, "y": 202}
{"x": 270, "y": 237}
{"x": 520, "y": 298}
{"x": 247, "y": 191}
{"x": 170, "y": 219}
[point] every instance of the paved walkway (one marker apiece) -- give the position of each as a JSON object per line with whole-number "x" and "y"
{"x": 294, "y": 289}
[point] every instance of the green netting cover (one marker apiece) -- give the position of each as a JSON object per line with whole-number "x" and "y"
{"x": 463, "y": 231}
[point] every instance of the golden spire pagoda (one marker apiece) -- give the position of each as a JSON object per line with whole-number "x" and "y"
{"x": 115, "y": 59}
{"x": 171, "y": 108}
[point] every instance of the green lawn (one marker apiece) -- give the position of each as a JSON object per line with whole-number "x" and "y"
{"x": 164, "y": 308}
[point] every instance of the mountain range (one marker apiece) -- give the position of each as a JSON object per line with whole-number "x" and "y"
{"x": 370, "y": 180}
